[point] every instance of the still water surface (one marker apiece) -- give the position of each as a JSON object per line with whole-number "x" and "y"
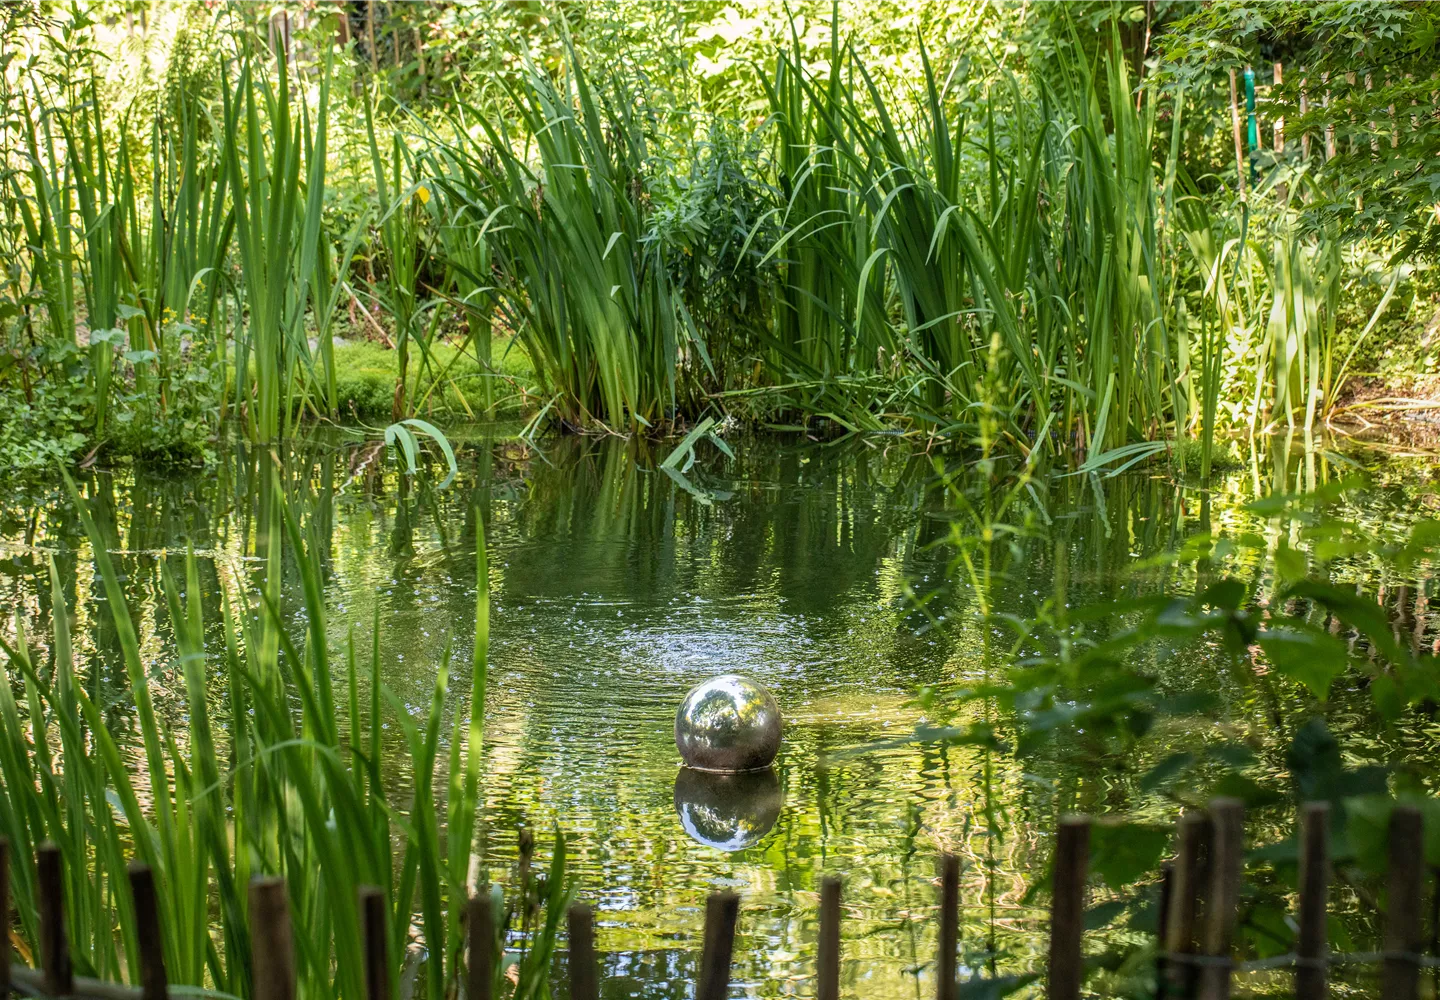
{"x": 616, "y": 587}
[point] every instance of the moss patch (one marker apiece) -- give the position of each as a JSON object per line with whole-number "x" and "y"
{"x": 452, "y": 385}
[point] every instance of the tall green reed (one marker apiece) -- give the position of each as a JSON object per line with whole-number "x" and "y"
{"x": 277, "y": 229}
{"x": 823, "y": 244}
{"x": 578, "y": 278}
{"x": 462, "y": 224}
{"x": 1037, "y": 225}
{"x": 399, "y": 212}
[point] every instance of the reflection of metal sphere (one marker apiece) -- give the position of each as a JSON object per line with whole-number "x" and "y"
{"x": 728, "y": 723}
{"x": 729, "y": 812}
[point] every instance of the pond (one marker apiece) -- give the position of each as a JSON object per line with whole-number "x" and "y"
{"x": 819, "y": 569}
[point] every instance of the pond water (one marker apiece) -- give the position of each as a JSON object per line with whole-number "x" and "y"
{"x": 615, "y": 587}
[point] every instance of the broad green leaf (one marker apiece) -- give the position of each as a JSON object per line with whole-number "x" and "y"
{"x": 1308, "y": 655}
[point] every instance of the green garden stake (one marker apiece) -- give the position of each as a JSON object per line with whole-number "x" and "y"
{"x": 1252, "y": 124}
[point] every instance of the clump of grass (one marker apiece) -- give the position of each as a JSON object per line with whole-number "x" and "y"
{"x": 576, "y": 273}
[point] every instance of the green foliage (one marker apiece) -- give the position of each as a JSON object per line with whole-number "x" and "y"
{"x": 839, "y": 216}
{"x": 1092, "y": 690}
{"x": 43, "y": 413}
{"x": 404, "y": 435}
{"x": 47, "y": 414}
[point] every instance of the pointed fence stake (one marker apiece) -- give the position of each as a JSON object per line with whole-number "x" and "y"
{"x": 5, "y": 984}
{"x": 721, "y": 911}
{"x": 1192, "y": 850}
{"x": 827, "y": 959}
{"x": 1312, "y": 948}
{"x": 583, "y": 982}
{"x": 1067, "y": 908}
{"x": 946, "y": 986}
{"x": 1227, "y": 845}
{"x": 377, "y": 950}
{"x": 154, "y": 984}
{"x": 272, "y": 957}
{"x": 1404, "y": 930}
{"x": 480, "y": 944}
{"x": 54, "y": 945}
{"x": 1162, "y": 929}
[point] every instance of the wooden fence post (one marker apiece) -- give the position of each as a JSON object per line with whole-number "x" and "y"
{"x": 372, "y": 908}
{"x": 1404, "y": 930}
{"x": 721, "y": 911}
{"x": 54, "y": 945}
{"x": 1329, "y": 125}
{"x": 1067, "y": 908}
{"x": 480, "y": 945}
{"x": 583, "y": 982}
{"x": 1235, "y": 128}
{"x": 827, "y": 958}
{"x": 1374, "y": 140}
{"x": 1279, "y": 126}
{"x": 272, "y": 957}
{"x": 1192, "y": 851}
{"x": 1162, "y": 922}
{"x": 1311, "y": 972}
{"x": 154, "y": 983}
{"x": 946, "y": 986}
{"x": 1304, "y": 110}
{"x": 370, "y": 36}
{"x": 4, "y": 917}
{"x": 1227, "y": 845}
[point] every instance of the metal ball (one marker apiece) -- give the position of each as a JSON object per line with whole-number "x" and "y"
{"x": 728, "y": 723}
{"x": 728, "y": 812}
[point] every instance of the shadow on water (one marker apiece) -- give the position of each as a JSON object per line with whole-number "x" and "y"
{"x": 614, "y": 590}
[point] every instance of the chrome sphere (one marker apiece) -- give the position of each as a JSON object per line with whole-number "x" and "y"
{"x": 728, "y": 723}
{"x": 728, "y": 812}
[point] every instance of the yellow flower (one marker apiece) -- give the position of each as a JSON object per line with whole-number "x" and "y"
{"x": 423, "y": 193}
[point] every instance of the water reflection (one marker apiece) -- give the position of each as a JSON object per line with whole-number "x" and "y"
{"x": 728, "y": 812}
{"x": 614, "y": 591}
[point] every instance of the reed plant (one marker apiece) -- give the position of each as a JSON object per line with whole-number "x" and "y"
{"x": 401, "y": 220}
{"x": 1036, "y": 224}
{"x": 463, "y": 216}
{"x": 283, "y": 773}
{"x": 823, "y": 243}
{"x": 578, "y": 277}
{"x": 277, "y": 237}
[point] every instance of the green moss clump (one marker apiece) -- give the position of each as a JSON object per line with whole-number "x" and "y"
{"x": 365, "y": 375}
{"x": 1224, "y": 457}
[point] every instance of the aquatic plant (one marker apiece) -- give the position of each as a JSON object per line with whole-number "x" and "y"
{"x": 280, "y": 770}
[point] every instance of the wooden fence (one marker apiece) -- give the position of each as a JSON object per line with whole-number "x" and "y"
{"x": 1248, "y": 106}
{"x": 1200, "y": 891}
